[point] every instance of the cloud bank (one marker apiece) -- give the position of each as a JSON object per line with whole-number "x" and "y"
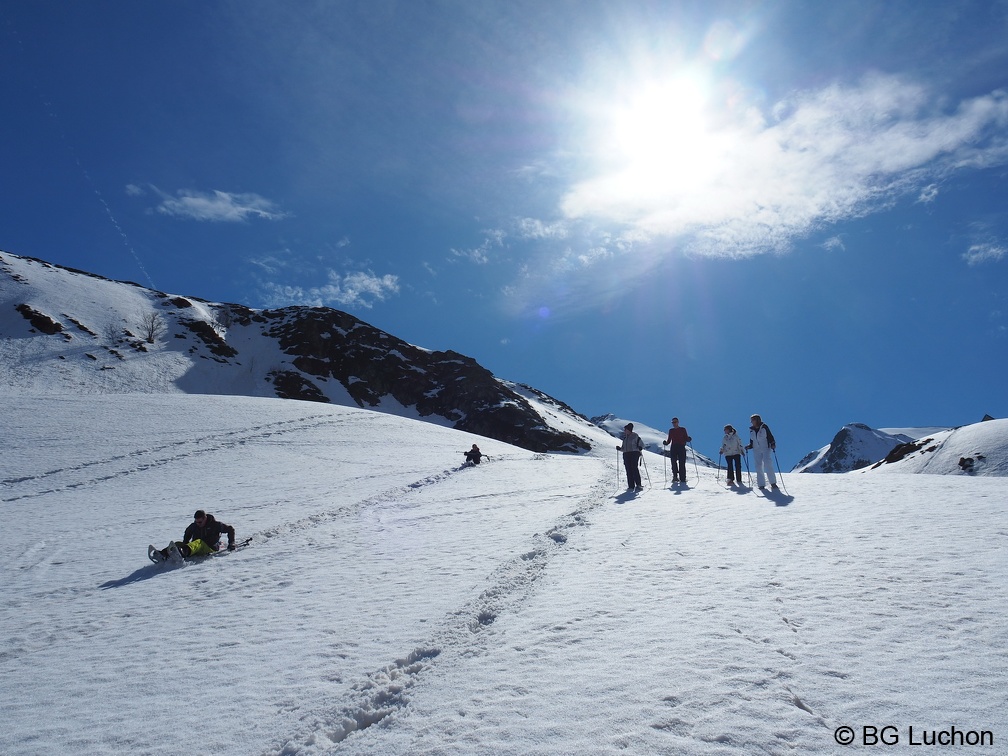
{"x": 759, "y": 180}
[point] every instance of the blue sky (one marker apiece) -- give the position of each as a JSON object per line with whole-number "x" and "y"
{"x": 703, "y": 209}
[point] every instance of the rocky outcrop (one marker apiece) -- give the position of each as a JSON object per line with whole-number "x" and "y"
{"x": 371, "y": 365}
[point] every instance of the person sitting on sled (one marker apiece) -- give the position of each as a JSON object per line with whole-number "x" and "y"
{"x": 202, "y": 537}
{"x": 474, "y": 455}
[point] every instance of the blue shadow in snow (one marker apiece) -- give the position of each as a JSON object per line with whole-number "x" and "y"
{"x": 144, "y": 573}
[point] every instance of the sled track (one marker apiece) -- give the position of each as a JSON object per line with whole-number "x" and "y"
{"x": 385, "y": 691}
{"x": 394, "y": 494}
{"x": 98, "y": 471}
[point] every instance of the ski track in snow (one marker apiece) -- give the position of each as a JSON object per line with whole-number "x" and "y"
{"x": 97, "y": 471}
{"x": 385, "y": 691}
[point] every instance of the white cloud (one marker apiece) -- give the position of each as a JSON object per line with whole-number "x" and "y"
{"x": 481, "y": 255}
{"x": 533, "y": 228}
{"x": 755, "y": 182}
{"x": 928, "y": 194}
{"x": 984, "y": 253}
{"x": 219, "y": 206}
{"x": 356, "y": 289}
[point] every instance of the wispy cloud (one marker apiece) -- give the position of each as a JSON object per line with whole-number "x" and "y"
{"x": 759, "y": 179}
{"x": 214, "y": 206}
{"x": 355, "y": 289}
{"x": 928, "y": 194}
{"x": 985, "y": 253}
{"x": 533, "y": 228}
{"x": 481, "y": 255}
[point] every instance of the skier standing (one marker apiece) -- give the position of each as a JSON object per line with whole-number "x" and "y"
{"x": 731, "y": 447}
{"x": 761, "y": 441}
{"x": 632, "y": 447}
{"x": 678, "y": 438}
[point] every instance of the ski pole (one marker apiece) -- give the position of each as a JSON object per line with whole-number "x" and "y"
{"x": 617, "y": 469}
{"x": 645, "y": 471}
{"x": 719, "y": 466}
{"x": 665, "y": 457}
{"x": 695, "y": 467}
{"x": 779, "y": 470}
{"x": 748, "y": 471}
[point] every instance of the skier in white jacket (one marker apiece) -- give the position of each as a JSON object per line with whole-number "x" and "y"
{"x": 731, "y": 447}
{"x": 761, "y": 441}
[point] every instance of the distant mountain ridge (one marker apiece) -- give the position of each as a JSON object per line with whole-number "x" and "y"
{"x": 65, "y": 329}
{"x": 854, "y": 446}
{"x": 977, "y": 449}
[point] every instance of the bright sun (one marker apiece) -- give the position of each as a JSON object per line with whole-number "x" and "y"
{"x": 659, "y": 137}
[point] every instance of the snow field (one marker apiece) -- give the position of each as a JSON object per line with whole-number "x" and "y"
{"x": 393, "y": 602}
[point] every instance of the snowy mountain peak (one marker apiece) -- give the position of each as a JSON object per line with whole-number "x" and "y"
{"x": 977, "y": 449}
{"x": 854, "y": 446}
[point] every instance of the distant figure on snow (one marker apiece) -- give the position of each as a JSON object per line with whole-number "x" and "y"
{"x": 202, "y": 537}
{"x": 731, "y": 447}
{"x": 677, "y": 439}
{"x": 632, "y": 447}
{"x": 761, "y": 441}
{"x": 474, "y": 455}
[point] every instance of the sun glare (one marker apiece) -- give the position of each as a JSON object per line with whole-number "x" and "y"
{"x": 658, "y": 138}
{"x": 659, "y": 121}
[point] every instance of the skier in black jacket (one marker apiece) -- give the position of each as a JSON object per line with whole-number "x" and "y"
{"x": 204, "y": 533}
{"x": 631, "y": 447}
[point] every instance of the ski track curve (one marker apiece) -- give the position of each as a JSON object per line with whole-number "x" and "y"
{"x": 385, "y": 691}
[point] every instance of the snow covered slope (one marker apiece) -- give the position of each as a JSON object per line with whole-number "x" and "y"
{"x": 972, "y": 449}
{"x": 393, "y": 602}
{"x": 978, "y": 449}
{"x": 64, "y": 330}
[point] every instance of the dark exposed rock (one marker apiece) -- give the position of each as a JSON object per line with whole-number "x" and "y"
{"x": 211, "y": 338}
{"x": 40, "y": 322}
{"x": 372, "y": 364}
{"x": 291, "y": 385}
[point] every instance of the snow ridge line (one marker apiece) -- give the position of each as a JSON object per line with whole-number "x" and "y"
{"x": 384, "y": 692}
{"x": 206, "y": 444}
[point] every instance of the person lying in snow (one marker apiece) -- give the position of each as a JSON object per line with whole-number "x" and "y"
{"x": 202, "y": 537}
